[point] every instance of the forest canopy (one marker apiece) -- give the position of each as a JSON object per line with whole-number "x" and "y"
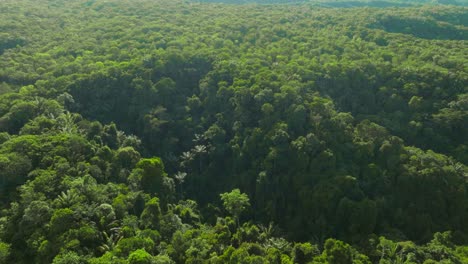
{"x": 154, "y": 131}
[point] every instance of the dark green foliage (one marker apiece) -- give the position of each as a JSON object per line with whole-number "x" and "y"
{"x": 154, "y": 180}
{"x": 337, "y": 252}
{"x": 304, "y": 253}
{"x": 128, "y": 129}
{"x": 151, "y": 215}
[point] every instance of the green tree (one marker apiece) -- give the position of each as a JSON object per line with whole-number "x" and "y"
{"x": 151, "y": 215}
{"x": 140, "y": 256}
{"x": 4, "y": 252}
{"x": 154, "y": 180}
{"x": 303, "y": 253}
{"x": 235, "y": 203}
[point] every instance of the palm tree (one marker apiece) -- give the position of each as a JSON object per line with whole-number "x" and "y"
{"x": 186, "y": 157}
{"x": 67, "y": 124}
{"x": 67, "y": 199}
{"x": 180, "y": 178}
{"x": 110, "y": 241}
{"x": 155, "y": 118}
{"x": 199, "y": 150}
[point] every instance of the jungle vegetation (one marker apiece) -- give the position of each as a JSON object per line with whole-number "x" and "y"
{"x": 152, "y": 131}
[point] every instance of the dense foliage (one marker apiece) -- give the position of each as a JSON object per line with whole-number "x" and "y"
{"x": 155, "y": 131}
{"x": 345, "y": 3}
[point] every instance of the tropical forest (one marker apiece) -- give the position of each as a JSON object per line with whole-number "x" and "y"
{"x": 233, "y": 131}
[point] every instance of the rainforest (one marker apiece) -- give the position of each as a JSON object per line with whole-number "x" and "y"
{"x": 269, "y": 131}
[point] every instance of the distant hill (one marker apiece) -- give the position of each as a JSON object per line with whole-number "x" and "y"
{"x": 345, "y": 3}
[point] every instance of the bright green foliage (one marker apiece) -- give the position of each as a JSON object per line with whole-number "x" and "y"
{"x": 151, "y": 215}
{"x": 304, "y": 253}
{"x": 235, "y": 202}
{"x": 4, "y": 252}
{"x": 154, "y": 180}
{"x": 162, "y": 259}
{"x": 126, "y": 246}
{"x": 68, "y": 258}
{"x": 140, "y": 256}
{"x": 338, "y": 252}
{"x": 61, "y": 220}
{"x": 123, "y": 123}
{"x": 462, "y": 253}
